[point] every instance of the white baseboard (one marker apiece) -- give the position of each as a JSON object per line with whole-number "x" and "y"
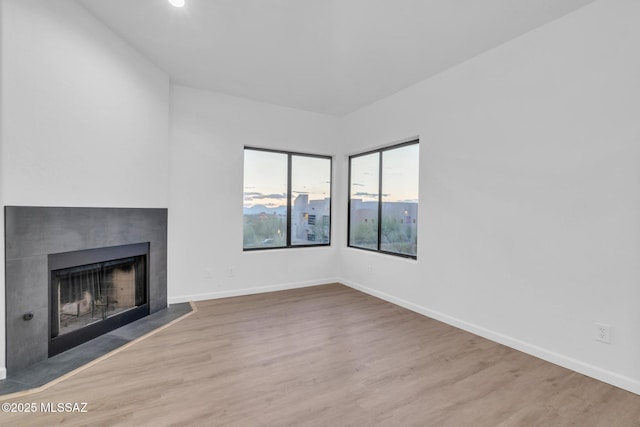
{"x": 579, "y": 366}
{"x": 249, "y": 291}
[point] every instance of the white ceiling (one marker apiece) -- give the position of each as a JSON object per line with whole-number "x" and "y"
{"x": 327, "y": 56}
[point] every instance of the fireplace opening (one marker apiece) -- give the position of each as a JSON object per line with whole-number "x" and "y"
{"x": 90, "y": 293}
{"x": 95, "y": 291}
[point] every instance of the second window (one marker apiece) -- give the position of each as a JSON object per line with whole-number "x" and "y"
{"x": 383, "y": 200}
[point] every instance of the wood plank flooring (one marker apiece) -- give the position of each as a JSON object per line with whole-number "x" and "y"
{"x": 325, "y": 356}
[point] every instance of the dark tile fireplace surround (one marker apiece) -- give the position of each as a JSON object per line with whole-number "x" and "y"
{"x": 34, "y": 234}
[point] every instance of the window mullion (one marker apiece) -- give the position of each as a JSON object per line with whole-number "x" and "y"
{"x": 289, "y": 197}
{"x": 379, "y": 200}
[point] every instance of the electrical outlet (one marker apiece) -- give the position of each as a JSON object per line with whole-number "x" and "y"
{"x": 603, "y": 333}
{"x": 232, "y": 272}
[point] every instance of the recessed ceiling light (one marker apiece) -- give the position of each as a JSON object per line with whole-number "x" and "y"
{"x": 177, "y": 3}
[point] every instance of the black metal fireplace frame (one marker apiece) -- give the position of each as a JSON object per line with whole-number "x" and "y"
{"x": 62, "y": 260}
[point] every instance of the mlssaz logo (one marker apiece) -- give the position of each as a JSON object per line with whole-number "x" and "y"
{"x": 64, "y": 407}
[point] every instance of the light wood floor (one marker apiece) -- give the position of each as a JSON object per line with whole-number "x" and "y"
{"x": 326, "y": 356}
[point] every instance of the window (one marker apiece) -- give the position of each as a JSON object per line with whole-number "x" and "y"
{"x": 383, "y": 200}
{"x": 284, "y": 193}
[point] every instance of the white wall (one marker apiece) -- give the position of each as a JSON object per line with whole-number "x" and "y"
{"x": 529, "y": 193}
{"x": 209, "y": 132}
{"x": 84, "y": 117}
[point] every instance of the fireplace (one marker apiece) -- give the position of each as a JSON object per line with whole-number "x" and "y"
{"x": 94, "y": 291}
{"x": 119, "y": 253}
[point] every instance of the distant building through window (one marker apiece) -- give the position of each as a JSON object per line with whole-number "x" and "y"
{"x": 284, "y": 194}
{"x": 383, "y": 200}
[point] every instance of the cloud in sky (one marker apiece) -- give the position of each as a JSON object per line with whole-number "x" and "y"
{"x": 365, "y": 194}
{"x": 252, "y": 195}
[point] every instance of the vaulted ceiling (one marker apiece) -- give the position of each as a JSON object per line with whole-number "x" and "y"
{"x": 326, "y": 56}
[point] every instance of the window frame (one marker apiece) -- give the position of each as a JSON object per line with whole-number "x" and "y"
{"x": 290, "y": 155}
{"x": 380, "y": 152}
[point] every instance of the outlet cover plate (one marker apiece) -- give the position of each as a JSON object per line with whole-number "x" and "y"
{"x": 603, "y": 333}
